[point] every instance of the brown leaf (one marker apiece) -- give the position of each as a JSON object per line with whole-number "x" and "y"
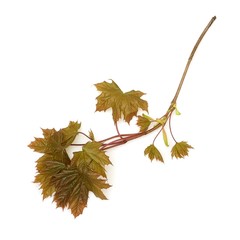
{"x": 126, "y": 104}
{"x": 47, "y": 168}
{"x": 39, "y": 145}
{"x": 72, "y": 188}
{"x": 55, "y": 141}
{"x": 47, "y": 133}
{"x": 70, "y": 181}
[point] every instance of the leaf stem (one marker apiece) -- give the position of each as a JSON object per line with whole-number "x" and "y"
{"x": 170, "y": 128}
{"x": 84, "y": 134}
{"x": 116, "y": 125}
{"x": 157, "y": 135}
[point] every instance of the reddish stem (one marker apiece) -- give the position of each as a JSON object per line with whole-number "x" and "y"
{"x": 124, "y": 138}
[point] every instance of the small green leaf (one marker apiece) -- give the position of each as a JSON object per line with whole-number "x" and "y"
{"x": 70, "y": 132}
{"x": 161, "y": 120}
{"x": 165, "y": 138}
{"x": 177, "y": 112}
{"x": 92, "y": 149}
{"x": 91, "y": 135}
{"x": 153, "y": 153}
{"x": 92, "y": 157}
{"x": 143, "y": 123}
{"x": 180, "y": 149}
{"x": 147, "y": 117}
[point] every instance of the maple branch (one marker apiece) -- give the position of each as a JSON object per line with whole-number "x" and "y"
{"x": 124, "y": 139}
{"x": 190, "y": 59}
{"x": 116, "y": 136}
{"x": 69, "y": 180}
{"x": 127, "y": 138}
{"x": 121, "y": 139}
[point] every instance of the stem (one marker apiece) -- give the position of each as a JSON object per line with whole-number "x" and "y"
{"x": 170, "y": 127}
{"x": 127, "y": 138}
{"x": 190, "y": 59}
{"x": 77, "y": 144}
{"x": 85, "y": 135}
{"x": 157, "y": 135}
{"x": 116, "y": 136}
{"x": 121, "y": 139}
{"x": 116, "y": 125}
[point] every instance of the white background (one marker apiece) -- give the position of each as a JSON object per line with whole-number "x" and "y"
{"x": 51, "y": 54}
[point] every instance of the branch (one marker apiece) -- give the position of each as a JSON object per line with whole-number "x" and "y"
{"x": 190, "y": 59}
{"x": 121, "y": 139}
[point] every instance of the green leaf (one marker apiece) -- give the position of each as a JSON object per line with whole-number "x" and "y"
{"x": 153, "y": 153}
{"x": 147, "y": 117}
{"x": 92, "y": 149}
{"x": 161, "y": 120}
{"x": 70, "y": 132}
{"x": 91, "y": 135}
{"x": 165, "y": 138}
{"x": 143, "y": 123}
{"x": 180, "y": 149}
{"x": 72, "y": 188}
{"x": 92, "y": 157}
{"x": 177, "y": 112}
{"x": 122, "y": 104}
{"x": 95, "y": 184}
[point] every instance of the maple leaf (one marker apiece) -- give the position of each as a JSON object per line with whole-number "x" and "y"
{"x": 91, "y": 135}
{"x": 55, "y": 141}
{"x": 72, "y": 188}
{"x": 47, "y": 133}
{"x": 47, "y": 168}
{"x": 180, "y": 149}
{"x": 70, "y": 132}
{"x": 122, "y": 104}
{"x": 92, "y": 157}
{"x": 153, "y": 153}
{"x": 143, "y": 123}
